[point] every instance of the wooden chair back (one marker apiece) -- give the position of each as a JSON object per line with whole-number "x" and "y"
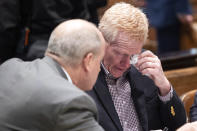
{"x": 188, "y": 100}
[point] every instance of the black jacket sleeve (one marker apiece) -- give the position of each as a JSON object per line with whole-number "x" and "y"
{"x": 193, "y": 110}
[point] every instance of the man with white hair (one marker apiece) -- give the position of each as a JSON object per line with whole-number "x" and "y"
{"x": 47, "y": 94}
{"x": 132, "y": 93}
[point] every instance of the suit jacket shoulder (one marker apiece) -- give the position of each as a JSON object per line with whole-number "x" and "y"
{"x": 42, "y": 98}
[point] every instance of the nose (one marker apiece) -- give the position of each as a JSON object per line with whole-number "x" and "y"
{"x": 125, "y": 63}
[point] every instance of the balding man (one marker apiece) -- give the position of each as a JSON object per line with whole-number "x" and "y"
{"x": 47, "y": 94}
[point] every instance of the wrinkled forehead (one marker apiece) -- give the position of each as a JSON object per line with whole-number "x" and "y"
{"x": 128, "y": 38}
{"x": 124, "y": 41}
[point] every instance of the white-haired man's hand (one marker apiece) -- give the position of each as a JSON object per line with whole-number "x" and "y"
{"x": 150, "y": 65}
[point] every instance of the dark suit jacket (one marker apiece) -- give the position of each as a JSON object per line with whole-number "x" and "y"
{"x": 152, "y": 113}
{"x": 36, "y": 96}
{"x": 162, "y": 13}
{"x": 193, "y": 110}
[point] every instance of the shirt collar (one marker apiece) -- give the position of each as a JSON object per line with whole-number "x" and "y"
{"x": 67, "y": 75}
{"x": 107, "y": 73}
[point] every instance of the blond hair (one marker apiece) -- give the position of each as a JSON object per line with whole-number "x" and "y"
{"x": 126, "y": 18}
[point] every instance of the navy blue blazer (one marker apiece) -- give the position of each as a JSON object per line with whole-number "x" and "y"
{"x": 162, "y": 13}
{"x": 193, "y": 110}
{"x": 152, "y": 112}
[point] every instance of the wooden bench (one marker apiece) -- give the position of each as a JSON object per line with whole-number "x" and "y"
{"x": 179, "y": 59}
{"x": 183, "y": 80}
{"x": 188, "y": 100}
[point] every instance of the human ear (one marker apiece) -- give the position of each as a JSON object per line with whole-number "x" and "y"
{"x": 88, "y": 61}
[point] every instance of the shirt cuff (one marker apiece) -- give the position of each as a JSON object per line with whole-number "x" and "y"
{"x": 167, "y": 97}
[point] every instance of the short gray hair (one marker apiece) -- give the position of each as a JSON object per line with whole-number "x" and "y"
{"x": 73, "y": 44}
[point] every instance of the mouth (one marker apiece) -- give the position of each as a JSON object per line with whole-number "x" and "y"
{"x": 121, "y": 70}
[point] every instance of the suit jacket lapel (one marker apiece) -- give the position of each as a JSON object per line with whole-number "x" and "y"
{"x": 105, "y": 97}
{"x": 137, "y": 93}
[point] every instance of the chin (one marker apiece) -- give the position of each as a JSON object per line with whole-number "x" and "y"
{"x": 89, "y": 87}
{"x": 117, "y": 75}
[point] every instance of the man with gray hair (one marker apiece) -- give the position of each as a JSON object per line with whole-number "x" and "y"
{"x": 47, "y": 94}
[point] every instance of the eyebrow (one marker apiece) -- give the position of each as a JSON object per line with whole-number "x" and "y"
{"x": 119, "y": 52}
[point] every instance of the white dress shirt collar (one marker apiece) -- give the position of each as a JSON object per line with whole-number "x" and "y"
{"x": 67, "y": 75}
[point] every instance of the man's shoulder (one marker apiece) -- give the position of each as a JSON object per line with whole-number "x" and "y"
{"x": 39, "y": 76}
{"x": 16, "y": 63}
{"x": 68, "y": 97}
{"x": 11, "y": 61}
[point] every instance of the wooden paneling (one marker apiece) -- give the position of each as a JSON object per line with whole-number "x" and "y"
{"x": 189, "y": 33}
{"x": 183, "y": 80}
{"x": 179, "y": 59}
{"x": 188, "y": 101}
{"x": 151, "y": 42}
{"x": 194, "y": 8}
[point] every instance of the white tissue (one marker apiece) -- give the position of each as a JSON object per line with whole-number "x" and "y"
{"x": 134, "y": 59}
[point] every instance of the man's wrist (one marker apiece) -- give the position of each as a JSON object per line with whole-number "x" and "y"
{"x": 167, "y": 97}
{"x": 165, "y": 88}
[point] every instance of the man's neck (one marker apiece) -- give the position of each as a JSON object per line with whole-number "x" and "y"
{"x": 74, "y": 73}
